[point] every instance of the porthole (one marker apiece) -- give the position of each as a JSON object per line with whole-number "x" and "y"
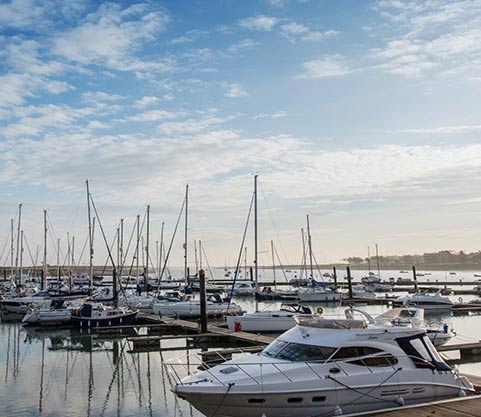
{"x": 256, "y": 401}
{"x": 318, "y": 399}
{"x": 295, "y": 400}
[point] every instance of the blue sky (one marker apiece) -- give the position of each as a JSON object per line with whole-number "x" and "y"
{"x": 364, "y": 114}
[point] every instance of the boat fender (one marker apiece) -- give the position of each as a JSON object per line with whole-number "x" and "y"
{"x": 237, "y": 326}
{"x": 461, "y": 393}
{"x": 460, "y": 299}
{"x": 400, "y": 401}
{"x": 319, "y": 310}
{"x": 338, "y": 411}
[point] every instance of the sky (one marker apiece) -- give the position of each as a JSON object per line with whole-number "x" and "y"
{"x": 362, "y": 114}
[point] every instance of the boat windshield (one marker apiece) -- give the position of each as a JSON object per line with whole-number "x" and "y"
{"x": 297, "y": 352}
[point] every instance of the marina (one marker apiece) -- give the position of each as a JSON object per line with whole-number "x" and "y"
{"x": 227, "y": 208}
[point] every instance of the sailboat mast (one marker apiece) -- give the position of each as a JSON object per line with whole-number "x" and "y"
{"x": 58, "y": 259}
{"x": 21, "y": 257}
{"x": 18, "y": 240}
{"x": 185, "y": 232}
{"x": 121, "y": 249}
{"x": 44, "y": 276}
{"x": 12, "y": 249}
{"x": 273, "y": 262}
{"x": 137, "y": 247}
{"x": 91, "y": 242}
{"x": 369, "y": 260}
{"x": 304, "y": 259}
{"x": 146, "y": 270}
{"x": 256, "y": 267}
{"x": 309, "y": 243}
{"x": 377, "y": 261}
{"x": 161, "y": 246}
{"x": 200, "y": 254}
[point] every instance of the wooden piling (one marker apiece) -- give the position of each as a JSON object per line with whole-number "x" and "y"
{"x": 349, "y": 282}
{"x": 203, "y": 302}
{"x": 415, "y": 278}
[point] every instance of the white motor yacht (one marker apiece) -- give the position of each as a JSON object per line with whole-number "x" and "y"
{"x": 318, "y": 294}
{"x": 267, "y": 321}
{"x": 191, "y": 308}
{"x": 326, "y": 367}
{"x": 405, "y": 317}
{"x": 425, "y": 300}
{"x": 241, "y": 288}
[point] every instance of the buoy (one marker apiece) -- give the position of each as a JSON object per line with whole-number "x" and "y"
{"x": 319, "y": 310}
{"x": 460, "y": 299}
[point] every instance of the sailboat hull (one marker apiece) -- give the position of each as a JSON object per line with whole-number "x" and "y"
{"x": 120, "y": 320}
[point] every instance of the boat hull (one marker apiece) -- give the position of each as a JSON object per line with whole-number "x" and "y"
{"x": 120, "y": 320}
{"x": 259, "y": 323}
{"x": 319, "y": 297}
{"x": 323, "y": 402}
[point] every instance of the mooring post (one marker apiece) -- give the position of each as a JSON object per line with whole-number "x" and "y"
{"x": 349, "y": 282}
{"x": 415, "y": 278}
{"x": 334, "y": 274}
{"x": 203, "y": 302}
{"x": 251, "y": 274}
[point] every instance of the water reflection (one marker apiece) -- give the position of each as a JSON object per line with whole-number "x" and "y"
{"x": 76, "y": 374}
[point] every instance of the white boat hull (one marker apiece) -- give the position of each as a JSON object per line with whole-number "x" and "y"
{"x": 318, "y": 296}
{"x": 192, "y": 309}
{"x": 276, "y": 321}
{"x": 53, "y": 316}
{"x": 310, "y": 402}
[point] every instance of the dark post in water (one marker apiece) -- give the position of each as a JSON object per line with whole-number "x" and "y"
{"x": 349, "y": 282}
{"x": 415, "y": 278}
{"x": 334, "y": 275}
{"x": 203, "y": 303}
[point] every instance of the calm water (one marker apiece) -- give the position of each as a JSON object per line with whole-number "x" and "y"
{"x": 62, "y": 373}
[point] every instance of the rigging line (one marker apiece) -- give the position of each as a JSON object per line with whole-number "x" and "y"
{"x": 7, "y": 240}
{"x": 231, "y": 384}
{"x": 102, "y": 230}
{"x": 82, "y": 251}
{"x": 206, "y": 260}
{"x": 111, "y": 247}
{"x": 28, "y": 249}
{"x": 280, "y": 263}
{"x": 170, "y": 246}
{"x": 241, "y": 250}
{"x": 273, "y": 223}
{"x": 361, "y": 393}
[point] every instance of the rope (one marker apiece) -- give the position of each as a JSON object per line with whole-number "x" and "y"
{"x": 361, "y": 393}
{"x": 223, "y": 399}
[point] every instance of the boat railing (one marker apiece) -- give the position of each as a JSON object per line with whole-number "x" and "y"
{"x": 288, "y": 370}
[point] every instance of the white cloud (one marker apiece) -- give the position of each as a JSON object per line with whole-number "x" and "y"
{"x": 154, "y": 115}
{"x": 325, "y": 67}
{"x": 234, "y": 90}
{"x": 111, "y": 35}
{"x": 190, "y": 36}
{"x": 294, "y": 28}
{"x": 444, "y": 34}
{"x": 443, "y": 129}
{"x": 261, "y": 23}
{"x": 146, "y": 101}
{"x": 320, "y": 36}
{"x": 242, "y": 45}
{"x": 276, "y": 115}
{"x": 191, "y": 126}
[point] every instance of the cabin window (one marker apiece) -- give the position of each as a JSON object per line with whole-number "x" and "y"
{"x": 297, "y": 352}
{"x": 419, "y": 349}
{"x": 355, "y": 352}
{"x": 376, "y": 361}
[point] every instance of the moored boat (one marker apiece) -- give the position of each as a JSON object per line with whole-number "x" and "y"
{"x": 326, "y": 367}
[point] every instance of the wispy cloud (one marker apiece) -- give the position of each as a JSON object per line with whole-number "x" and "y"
{"x": 260, "y": 22}
{"x": 325, "y": 67}
{"x": 275, "y": 115}
{"x": 442, "y": 35}
{"x": 111, "y": 35}
{"x": 234, "y": 90}
{"x": 443, "y": 129}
